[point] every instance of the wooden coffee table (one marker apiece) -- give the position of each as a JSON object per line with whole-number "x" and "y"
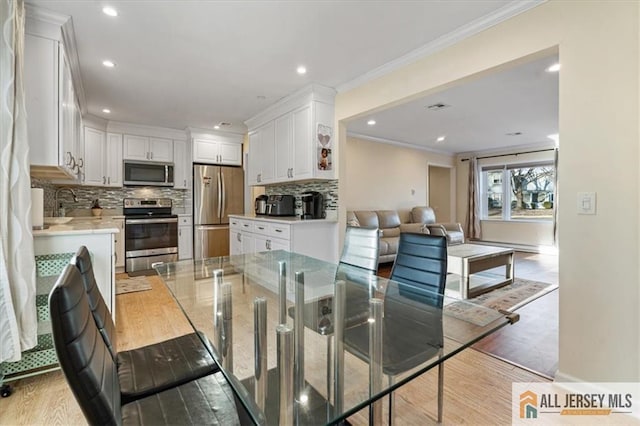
{"x": 467, "y": 260}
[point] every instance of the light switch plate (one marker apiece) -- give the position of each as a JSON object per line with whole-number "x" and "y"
{"x": 586, "y": 203}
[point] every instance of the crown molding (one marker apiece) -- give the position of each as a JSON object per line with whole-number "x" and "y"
{"x": 45, "y": 15}
{"x": 71, "y": 50}
{"x": 508, "y": 11}
{"x": 145, "y": 130}
{"x": 400, "y": 144}
{"x": 309, "y": 93}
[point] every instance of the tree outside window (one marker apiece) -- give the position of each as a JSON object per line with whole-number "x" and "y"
{"x": 530, "y": 189}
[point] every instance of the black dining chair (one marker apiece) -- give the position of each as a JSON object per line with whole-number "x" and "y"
{"x": 413, "y": 301}
{"x": 93, "y": 375}
{"x": 148, "y": 369}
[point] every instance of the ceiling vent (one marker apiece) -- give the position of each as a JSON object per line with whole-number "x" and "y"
{"x": 437, "y": 107}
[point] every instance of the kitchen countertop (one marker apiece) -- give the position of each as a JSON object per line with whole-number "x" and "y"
{"x": 283, "y": 219}
{"x": 81, "y": 225}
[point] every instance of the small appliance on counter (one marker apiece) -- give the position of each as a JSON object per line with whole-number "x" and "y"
{"x": 312, "y": 205}
{"x": 281, "y": 205}
{"x": 261, "y": 204}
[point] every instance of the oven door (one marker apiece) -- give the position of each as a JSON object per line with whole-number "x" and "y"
{"x": 150, "y": 236}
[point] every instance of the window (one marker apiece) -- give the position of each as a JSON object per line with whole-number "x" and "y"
{"x": 528, "y": 190}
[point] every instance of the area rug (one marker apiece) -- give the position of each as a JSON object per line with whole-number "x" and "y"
{"x": 133, "y": 284}
{"x": 508, "y": 298}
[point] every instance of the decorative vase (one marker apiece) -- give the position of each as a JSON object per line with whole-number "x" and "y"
{"x": 96, "y": 212}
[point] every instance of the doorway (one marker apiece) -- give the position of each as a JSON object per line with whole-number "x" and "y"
{"x": 441, "y": 192}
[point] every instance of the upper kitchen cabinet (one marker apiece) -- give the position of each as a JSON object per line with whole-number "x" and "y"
{"x": 103, "y": 158}
{"x": 181, "y": 165}
{"x": 302, "y": 143}
{"x": 54, "y": 125}
{"x": 216, "y": 148}
{"x": 145, "y": 148}
{"x": 262, "y": 164}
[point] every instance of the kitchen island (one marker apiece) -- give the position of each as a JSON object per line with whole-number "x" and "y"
{"x": 97, "y": 234}
{"x": 314, "y": 237}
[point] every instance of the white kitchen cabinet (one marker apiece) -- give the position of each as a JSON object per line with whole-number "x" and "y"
{"x": 119, "y": 243}
{"x": 185, "y": 237}
{"x": 102, "y": 158}
{"x": 53, "y": 118}
{"x": 101, "y": 246}
{"x": 146, "y": 148}
{"x": 315, "y": 238}
{"x": 113, "y": 154}
{"x": 211, "y": 151}
{"x": 262, "y": 153}
{"x": 94, "y": 161}
{"x": 301, "y": 125}
{"x": 181, "y": 167}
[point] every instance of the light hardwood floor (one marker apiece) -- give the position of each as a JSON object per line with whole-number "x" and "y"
{"x": 477, "y": 386}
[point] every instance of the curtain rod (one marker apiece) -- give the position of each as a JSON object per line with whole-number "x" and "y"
{"x": 516, "y": 154}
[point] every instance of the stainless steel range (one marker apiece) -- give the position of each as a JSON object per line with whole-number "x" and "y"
{"x": 150, "y": 234}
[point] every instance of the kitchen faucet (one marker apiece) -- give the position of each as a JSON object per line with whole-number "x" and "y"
{"x": 58, "y": 209}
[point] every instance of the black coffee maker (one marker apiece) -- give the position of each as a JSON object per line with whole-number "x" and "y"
{"x": 312, "y": 205}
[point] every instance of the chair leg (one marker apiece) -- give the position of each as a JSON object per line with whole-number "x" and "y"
{"x": 392, "y": 402}
{"x": 440, "y": 389}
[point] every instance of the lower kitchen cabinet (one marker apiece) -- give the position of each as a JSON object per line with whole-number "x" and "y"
{"x": 315, "y": 238}
{"x": 185, "y": 237}
{"x": 119, "y": 242}
{"x": 101, "y": 246}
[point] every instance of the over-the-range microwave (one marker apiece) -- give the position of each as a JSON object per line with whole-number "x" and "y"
{"x": 148, "y": 173}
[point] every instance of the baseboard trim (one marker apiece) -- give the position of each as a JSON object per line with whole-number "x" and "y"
{"x": 519, "y": 247}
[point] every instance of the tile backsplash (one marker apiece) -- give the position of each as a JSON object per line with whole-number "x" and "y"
{"x": 328, "y": 188}
{"x": 110, "y": 198}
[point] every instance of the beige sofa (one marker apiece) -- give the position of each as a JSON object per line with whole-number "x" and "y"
{"x": 420, "y": 220}
{"x": 390, "y": 226}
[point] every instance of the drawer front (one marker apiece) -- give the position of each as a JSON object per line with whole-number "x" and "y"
{"x": 184, "y": 221}
{"x": 278, "y": 230}
{"x": 246, "y": 225}
{"x": 261, "y": 228}
{"x": 235, "y": 223}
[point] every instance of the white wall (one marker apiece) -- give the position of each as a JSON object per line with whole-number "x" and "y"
{"x": 380, "y": 176}
{"x": 598, "y": 45}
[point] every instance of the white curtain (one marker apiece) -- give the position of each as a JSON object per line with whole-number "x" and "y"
{"x": 472, "y": 225}
{"x": 18, "y": 321}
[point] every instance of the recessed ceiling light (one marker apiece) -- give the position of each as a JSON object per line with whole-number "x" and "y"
{"x": 216, "y": 127}
{"x": 109, "y": 64}
{"x": 106, "y": 111}
{"x": 301, "y": 70}
{"x": 554, "y": 68}
{"x": 371, "y": 122}
{"x": 514, "y": 134}
{"x": 109, "y": 11}
{"x": 440, "y": 139}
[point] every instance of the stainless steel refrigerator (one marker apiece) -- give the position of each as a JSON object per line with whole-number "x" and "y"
{"x": 217, "y": 193}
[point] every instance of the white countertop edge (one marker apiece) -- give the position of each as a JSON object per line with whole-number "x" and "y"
{"x": 289, "y": 220}
{"x": 77, "y": 229}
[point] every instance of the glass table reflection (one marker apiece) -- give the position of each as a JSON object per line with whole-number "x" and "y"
{"x": 303, "y": 341}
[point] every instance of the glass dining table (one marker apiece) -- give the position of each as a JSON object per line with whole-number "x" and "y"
{"x": 304, "y": 341}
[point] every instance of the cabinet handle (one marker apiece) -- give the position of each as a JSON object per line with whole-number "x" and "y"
{"x": 239, "y": 237}
{"x": 151, "y": 155}
{"x": 185, "y": 182}
{"x": 109, "y": 180}
{"x": 268, "y": 244}
{"x": 104, "y": 180}
{"x": 179, "y": 232}
{"x": 278, "y": 230}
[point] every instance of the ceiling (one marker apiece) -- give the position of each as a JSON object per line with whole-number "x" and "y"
{"x": 517, "y": 106}
{"x": 199, "y": 63}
